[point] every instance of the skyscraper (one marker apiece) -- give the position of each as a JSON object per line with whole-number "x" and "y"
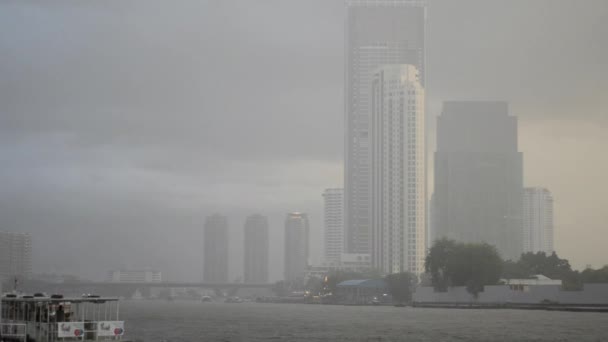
{"x": 15, "y": 256}
{"x": 398, "y": 170}
{"x": 479, "y": 176}
{"x": 377, "y": 33}
{"x": 296, "y": 246}
{"x": 255, "y": 264}
{"x": 538, "y": 220}
{"x": 334, "y": 225}
{"x": 215, "y": 252}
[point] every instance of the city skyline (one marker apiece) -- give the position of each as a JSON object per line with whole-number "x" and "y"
{"x": 124, "y": 149}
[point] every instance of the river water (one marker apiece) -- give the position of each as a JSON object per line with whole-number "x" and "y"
{"x": 154, "y": 321}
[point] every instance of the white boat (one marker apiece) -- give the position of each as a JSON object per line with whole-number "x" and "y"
{"x": 55, "y": 318}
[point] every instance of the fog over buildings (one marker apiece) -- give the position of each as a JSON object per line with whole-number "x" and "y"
{"x": 123, "y": 125}
{"x": 538, "y": 220}
{"x": 479, "y": 176}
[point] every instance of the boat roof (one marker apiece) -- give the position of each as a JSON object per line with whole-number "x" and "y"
{"x": 61, "y": 300}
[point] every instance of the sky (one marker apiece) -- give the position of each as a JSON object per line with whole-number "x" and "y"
{"x": 123, "y": 124}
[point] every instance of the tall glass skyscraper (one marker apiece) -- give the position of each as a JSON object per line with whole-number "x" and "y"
{"x": 377, "y": 33}
{"x": 479, "y": 176}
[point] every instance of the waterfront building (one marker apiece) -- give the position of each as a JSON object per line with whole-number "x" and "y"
{"x": 381, "y": 32}
{"x": 296, "y": 246}
{"x": 255, "y": 250}
{"x": 15, "y": 256}
{"x": 538, "y": 220}
{"x": 135, "y": 276}
{"x": 334, "y": 225}
{"x": 479, "y": 176}
{"x": 215, "y": 249}
{"x": 398, "y": 186}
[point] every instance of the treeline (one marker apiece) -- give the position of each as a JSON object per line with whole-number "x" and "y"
{"x": 450, "y": 263}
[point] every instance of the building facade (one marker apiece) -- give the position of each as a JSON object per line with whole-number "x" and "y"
{"x": 215, "y": 249}
{"x": 377, "y": 33}
{"x": 15, "y": 256}
{"x": 333, "y": 220}
{"x": 538, "y": 220}
{"x": 398, "y": 170}
{"x": 255, "y": 250}
{"x": 479, "y": 176}
{"x": 297, "y": 233}
{"x": 135, "y": 276}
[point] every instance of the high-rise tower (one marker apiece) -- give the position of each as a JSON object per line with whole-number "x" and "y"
{"x": 15, "y": 256}
{"x": 334, "y": 225}
{"x": 296, "y": 246}
{"x": 479, "y": 176}
{"x": 538, "y": 220}
{"x": 398, "y": 170}
{"x": 215, "y": 249}
{"x": 377, "y": 33}
{"x": 255, "y": 264}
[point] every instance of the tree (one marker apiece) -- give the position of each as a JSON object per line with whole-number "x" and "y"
{"x": 457, "y": 264}
{"x": 436, "y": 263}
{"x": 591, "y": 276}
{"x": 550, "y": 266}
{"x": 314, "y": 285}
{"x": 401, "y": 286}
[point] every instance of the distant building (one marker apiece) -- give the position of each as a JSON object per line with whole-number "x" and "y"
{"x": 296, "y": 246}
{"x": 348, "y": 262}
{"x": 398, "y": 188}
{"x": 377, "y": 33}
{"x": 538, "y": 279}
{"x": 215, "y": 249}
{"x": 479, "y": 176}
{"x": 538, "y": 220}
{"x": 430, "y": 235}
{"x": 15, "y": 256}
{"x": 135, "y": 276}
{"x": 334, "y": 224}
{"x": 362, "y": 292}
{"x": 255, "y": 263}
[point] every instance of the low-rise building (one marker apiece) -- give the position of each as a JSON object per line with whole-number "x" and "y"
{"x": 135, "y": 276}
{"x": 362, "y": 292}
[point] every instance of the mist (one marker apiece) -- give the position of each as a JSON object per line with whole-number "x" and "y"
{"x": 123, "y": 125}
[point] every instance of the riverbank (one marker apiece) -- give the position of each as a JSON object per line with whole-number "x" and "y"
{"x": 517, "y": 306}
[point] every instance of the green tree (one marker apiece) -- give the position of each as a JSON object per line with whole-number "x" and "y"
{"x": 457, "y": 264}
{"x": 551, "y": 266}
{"x": 401, "y": 286}
{"x": 591, "y": 276}
{"x": 314, "y": 285}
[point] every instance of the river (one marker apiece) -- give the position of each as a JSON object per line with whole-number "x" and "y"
{"x": 154, "y": 321}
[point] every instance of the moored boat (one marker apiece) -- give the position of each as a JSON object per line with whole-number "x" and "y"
{"x": 42, "y": 318}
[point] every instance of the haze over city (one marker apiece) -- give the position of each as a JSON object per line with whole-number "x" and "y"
{"x": 124, "y": 124}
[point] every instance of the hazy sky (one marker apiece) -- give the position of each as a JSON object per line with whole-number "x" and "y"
{"x": 124, "y": 123}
